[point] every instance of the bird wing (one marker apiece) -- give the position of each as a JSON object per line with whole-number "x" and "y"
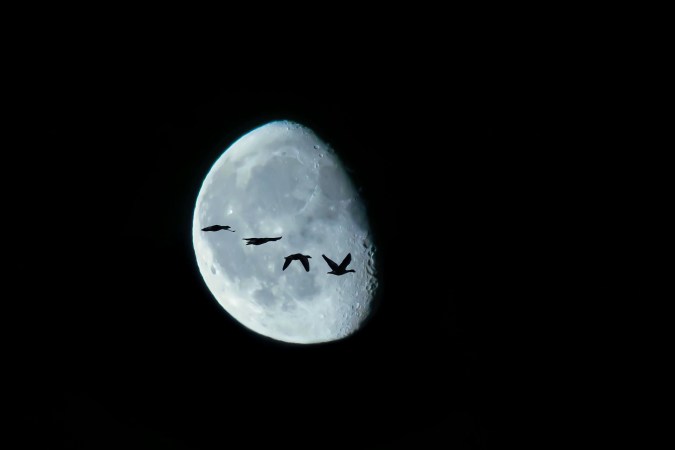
{"x": 287, "y": 263}
{"x": 345, "y": 262}
{"x": 305, "y": 263}
{"x": 332, "y": 264}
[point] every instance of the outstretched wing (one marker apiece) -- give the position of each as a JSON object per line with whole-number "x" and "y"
{"x": 305, "y": 263}
{"x": 332, "y": 265}
{"x": 287, "y": 263}
{"x": 345, "y": 262}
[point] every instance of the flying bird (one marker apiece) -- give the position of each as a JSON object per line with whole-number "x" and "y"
{"x": 218, "y": 228}
{"x": 341, "y": 269}
{"x": 304, "y": 259}
{"x": 258, "y": 241}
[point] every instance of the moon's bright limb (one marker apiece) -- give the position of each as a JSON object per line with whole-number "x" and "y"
{"x": 281, "y": 180}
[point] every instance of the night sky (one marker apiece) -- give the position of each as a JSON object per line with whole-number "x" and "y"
{"x": 118, "y": 342}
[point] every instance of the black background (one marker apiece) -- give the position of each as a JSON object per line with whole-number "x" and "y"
{"x": 119, "y": 344}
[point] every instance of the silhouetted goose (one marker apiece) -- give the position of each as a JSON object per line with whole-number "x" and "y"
{"x": 258, "y": 241}
{"x": 304, "y": 259}
{"x": 217, "y": 228}
{"x": 339, "y": 270}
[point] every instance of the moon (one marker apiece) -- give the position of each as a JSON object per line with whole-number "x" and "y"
{"x": 281, "y": 179}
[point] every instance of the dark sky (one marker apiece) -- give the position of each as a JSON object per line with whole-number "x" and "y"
{"x": 118, "y": 341}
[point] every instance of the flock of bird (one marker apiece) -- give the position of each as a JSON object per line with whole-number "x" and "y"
{"x": 336, "y": 269}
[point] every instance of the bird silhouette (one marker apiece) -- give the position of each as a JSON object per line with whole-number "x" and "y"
{"x": 341, "y": 269}
{"x": 258, "y": 241}
{"x": 304, "y": 259}
{"x": 218, "y": 228}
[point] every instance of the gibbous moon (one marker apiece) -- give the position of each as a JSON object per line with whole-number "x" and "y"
{"x": 282, "y": 180}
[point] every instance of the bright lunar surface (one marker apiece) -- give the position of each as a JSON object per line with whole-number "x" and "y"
{"x": 282, "y": 180}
